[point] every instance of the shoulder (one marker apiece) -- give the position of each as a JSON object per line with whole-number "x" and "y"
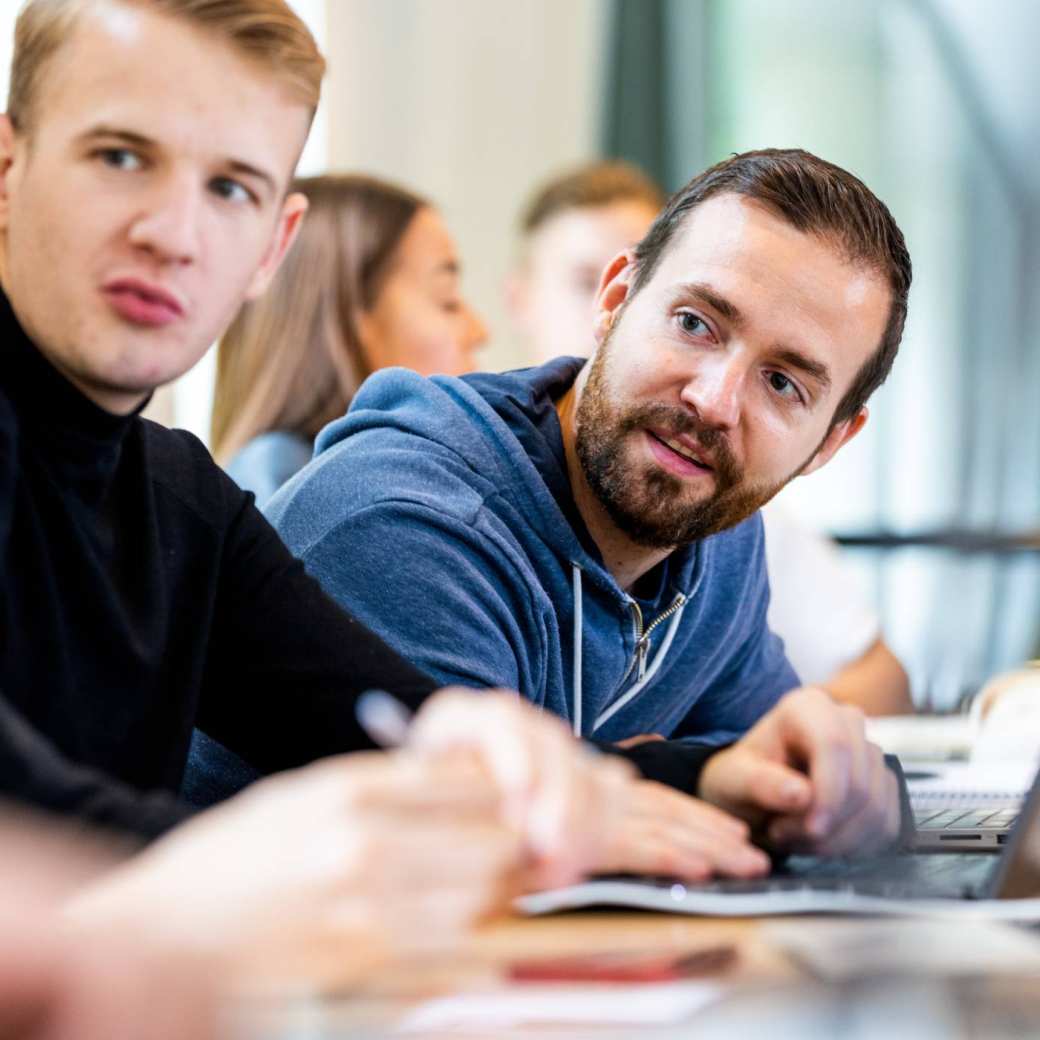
{"x": 268, "y": 461}
{"x": 274, "y": 448}
{"x": 180, "y": 465}
{"x": 407, "y": 442}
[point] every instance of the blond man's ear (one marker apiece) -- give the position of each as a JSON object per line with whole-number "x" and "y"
{"x": 290, "y": 219}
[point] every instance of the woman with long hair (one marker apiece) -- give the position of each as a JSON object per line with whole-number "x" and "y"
{"x": 372, "y": 281}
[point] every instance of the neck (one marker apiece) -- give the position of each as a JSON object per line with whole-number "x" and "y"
{"x": 625, "y": 560}
{"x": 116, "y": 402}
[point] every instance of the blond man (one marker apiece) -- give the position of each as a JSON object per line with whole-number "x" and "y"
{"x": 145, "y": 162}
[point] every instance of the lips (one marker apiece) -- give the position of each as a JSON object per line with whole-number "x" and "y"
{"x": 142, "y": 303}
{"x": 678, "y": 450}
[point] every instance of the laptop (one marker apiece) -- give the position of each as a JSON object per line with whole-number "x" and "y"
{"x": 897, "y": 883}
{"x": 965, "y": 828}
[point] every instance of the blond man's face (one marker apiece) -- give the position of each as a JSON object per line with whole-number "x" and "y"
{"x": 146, "y": 201}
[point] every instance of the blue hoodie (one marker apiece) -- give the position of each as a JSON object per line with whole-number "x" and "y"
{"x": 438, "y": 511}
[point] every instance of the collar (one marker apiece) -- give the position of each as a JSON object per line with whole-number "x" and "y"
{"x": 83, "y": 439}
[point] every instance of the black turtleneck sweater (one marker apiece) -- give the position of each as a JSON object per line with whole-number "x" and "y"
{"x": 142, "y": 593}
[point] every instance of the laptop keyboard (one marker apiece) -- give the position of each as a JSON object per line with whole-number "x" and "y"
{"x": 921, "y": 876}
{"x": 965, "y": 819}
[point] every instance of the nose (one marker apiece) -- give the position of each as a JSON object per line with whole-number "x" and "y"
{"x": 168, "y": 224}
{"x": 716, "y": 391}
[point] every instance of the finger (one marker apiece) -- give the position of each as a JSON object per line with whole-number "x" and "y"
{"x": 874, "y": 826}
{"x": 641, "y": 849}
{"x": 453, "y": 781}
{"x": 862, "y": 763}
{"x": 767, "y": 785}
{"x": 688, "y": 828}
{"x": 657, "y": 800}
{"x": 530, "y": 756}
{"x": 483, "y": 721}
{"x": 822, "y": 740}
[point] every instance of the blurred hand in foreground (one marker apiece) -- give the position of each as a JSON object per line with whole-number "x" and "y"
{"x": 807, "y": 778}
{"x": 362, "y": 857}
{"x": 563, "y": 798}
{"x": 57, "y": 985}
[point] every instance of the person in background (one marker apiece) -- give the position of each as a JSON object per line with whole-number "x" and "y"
{"x": 832, "y": 635}
{"x": 373, "y": 280}
{"x": 571, "y": 228}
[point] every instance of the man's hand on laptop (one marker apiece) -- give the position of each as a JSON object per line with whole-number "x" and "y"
{"x": 663, "y": 831}
{"x": 806, "y": 777}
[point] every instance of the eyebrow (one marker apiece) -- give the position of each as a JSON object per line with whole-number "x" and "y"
{"x": 136, "y": 140}
{"x": 706, "y": 294}
{"x": 815, "y": 370}
{"x": 126, "y": 136}
{"x": 449, "y": 267}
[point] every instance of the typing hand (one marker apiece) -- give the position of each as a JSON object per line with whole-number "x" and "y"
{"x": 807, "y": 777}
{"x": 663, "y": 831}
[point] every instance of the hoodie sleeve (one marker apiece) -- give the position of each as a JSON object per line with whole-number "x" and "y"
{"x": 439, "y": 588}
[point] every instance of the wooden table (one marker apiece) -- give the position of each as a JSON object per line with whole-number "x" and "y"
{"x": 767, "y": 994}
{"x": 366, "y": 1006}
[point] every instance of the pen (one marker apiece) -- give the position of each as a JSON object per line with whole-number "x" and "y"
{"x": 383, "y": 717}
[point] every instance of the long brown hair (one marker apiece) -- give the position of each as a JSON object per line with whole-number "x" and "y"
{"x": 293, "y": 359}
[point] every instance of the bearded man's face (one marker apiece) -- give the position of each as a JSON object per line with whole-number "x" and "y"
{"x": 719, "y": 379}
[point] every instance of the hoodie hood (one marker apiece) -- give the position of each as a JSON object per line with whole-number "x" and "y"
{"x": 505, "y": 428}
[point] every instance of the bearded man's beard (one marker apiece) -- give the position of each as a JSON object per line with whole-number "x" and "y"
{"x": 647, "y": 504}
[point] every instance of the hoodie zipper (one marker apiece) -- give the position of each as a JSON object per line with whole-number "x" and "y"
{"x": 643, "y": 635}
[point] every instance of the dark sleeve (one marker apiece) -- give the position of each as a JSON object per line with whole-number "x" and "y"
{"x": 287, "y": 664}
{"x": 34, "y": 772}
{"x": 677, "y": 763}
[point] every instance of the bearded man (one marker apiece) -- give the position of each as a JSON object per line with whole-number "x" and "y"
{"x": 587, "y": 533}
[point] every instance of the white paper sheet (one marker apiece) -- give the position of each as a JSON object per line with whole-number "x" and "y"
{"x": 615, "y": 1004}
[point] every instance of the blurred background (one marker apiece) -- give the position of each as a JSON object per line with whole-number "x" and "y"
{"x": 934, "y": 103}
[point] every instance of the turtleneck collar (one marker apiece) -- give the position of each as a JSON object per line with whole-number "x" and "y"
{"x": 81, "y": 438}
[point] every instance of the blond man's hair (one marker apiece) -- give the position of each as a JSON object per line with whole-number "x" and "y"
{"x": 266, "y": 32}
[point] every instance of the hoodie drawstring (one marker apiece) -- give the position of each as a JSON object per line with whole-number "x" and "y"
{"x": 658, "y": 660}
{"x": 625, "y": 698}
{"x": 576, "y": 682}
